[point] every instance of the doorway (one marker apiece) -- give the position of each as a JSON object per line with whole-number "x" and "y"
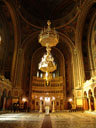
{"x": 47, "y": 104}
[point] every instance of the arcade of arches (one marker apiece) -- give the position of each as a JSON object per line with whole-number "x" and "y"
{"x": 74, "y": 81}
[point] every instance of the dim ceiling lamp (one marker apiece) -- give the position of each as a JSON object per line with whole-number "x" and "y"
{"x": 48, "y": 38}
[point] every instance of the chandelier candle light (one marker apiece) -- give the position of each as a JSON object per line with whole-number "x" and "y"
{"x": 48, "y": 38}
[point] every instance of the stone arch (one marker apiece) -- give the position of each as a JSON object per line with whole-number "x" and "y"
{"x": 85, "y": 101}
{"x": 91, "y": 100}
{"x": 17, "y": 33}
{"x": 35, "y": 35}
{"x": 92, "y": 44}
{"x": 68, "y": 41}
{"x": 85, "y": 94}
{"x": 89, "y": 92}
{"x": 81, "y": 20}
{"x": 32, "y": 44}
{"x": 78, "y": 37}
{"x": 31, "y": 37}
{"x": 88, "y": 45}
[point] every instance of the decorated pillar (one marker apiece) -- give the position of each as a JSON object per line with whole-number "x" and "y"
{"x": 75, "y": 68}
{"x": 85, "y": 103}
{"x": 40, "y": 106}
{"x": 53, "y": 107}
{"x": 89, "y": 104}
{"x": 41, "y": 99}
{"x": 78, "y": 74}
{"x": 19, "y": 68}
{"x": 17, "y": 90}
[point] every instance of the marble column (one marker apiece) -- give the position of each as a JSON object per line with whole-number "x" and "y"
{"x": 85, "y": 103}
{"x": 75, "y": 68}
{"x": 19, "y": 68}
{"x": 40, "y": 106}
{"x": 89, "y": 104}
{"x": 53, "y": 106}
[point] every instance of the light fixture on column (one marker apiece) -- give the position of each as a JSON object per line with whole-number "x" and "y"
{"x": 48, "y": 38}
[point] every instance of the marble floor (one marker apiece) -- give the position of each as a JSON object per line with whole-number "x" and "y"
{"x": 53, "y": 120}
{"x": 21, "y": 120}
{"x": 73, "y": 120}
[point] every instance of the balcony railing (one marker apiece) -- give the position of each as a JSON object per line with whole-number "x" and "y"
{"x": 37, "y": 81}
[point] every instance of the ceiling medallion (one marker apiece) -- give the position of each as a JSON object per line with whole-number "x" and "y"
{"x": 48, "y": 38}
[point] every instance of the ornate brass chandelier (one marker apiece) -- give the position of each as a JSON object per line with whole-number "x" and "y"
{"x": 48, "y": 38}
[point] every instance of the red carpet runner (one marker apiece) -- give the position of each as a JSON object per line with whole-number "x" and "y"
{"x": 47, "y": 122}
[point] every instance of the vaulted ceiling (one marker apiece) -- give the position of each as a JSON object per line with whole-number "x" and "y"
{"x": 33, "y": 14}
{"x": 38, "y": 11}
{"x": 48, "y": 9}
